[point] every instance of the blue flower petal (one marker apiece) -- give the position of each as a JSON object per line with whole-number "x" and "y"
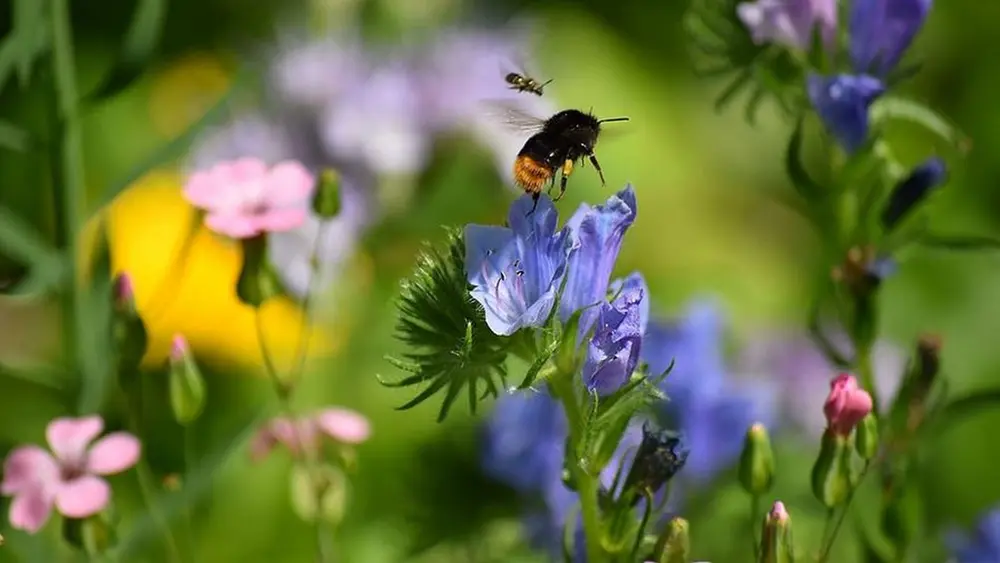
{"x": 613, "y": 352}
{"x": 882, "y": 30}
{"x": 842, "y": 103}
{"x": 597, "y": 234}
{"x": 982, "y": 545}
{"x": 524, "y": 441}
{"x": 516, "y": 272}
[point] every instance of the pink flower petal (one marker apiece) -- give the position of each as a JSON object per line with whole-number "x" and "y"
{"x": 344, "y": 425}
{"x": 234, "y": 226}
{"x": 83, "y": 497}
{"x": 113, "y": 453}
{"x": 201, "y": 190}
{"x": 288, "y": 183}
{"x": 30, "y": 510}
{"x": 69, "y": 437}
{"x": 262, "y": 444}
{"x": 247, "y": 169}
{"x": 278, "y": 220}
{"x": 27, "y": 467}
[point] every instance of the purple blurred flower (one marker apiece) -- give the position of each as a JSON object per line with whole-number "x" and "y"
{"x": 882, "y": 30}
{"x": 842, "y": 103}
{"x": 980, "y": 546}
{"x": 613, "y": 352}
{"x": 710, "y": 407}
{"x": 515, "y": 272}
{"x": 790, "y": 22}
{"x": 802, "y": 374}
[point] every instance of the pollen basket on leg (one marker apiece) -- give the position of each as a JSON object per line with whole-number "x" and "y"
{"x": 530, "y": 174}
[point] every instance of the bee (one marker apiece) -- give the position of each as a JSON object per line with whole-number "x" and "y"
{"x": 556, "y": 144}
{"x": 524, "y": 83}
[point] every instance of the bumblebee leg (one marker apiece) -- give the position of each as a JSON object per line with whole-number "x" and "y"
{"x": 534, "y": 196}
{"x": 552, "y": 184}
{"x": 567, "y": 169}
{"x": 593, "y": 160}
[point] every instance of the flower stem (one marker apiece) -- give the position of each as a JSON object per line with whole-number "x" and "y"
{"x": 867, "y": 373}
{"x": 189, "y": 458}
{"x": 587, "y": 485}
{"x": 68, "y": 173}
{"x": 754, "y": 518}
{"x": 825, "y": 552}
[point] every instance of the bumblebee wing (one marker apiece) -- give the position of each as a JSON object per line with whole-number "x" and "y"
{"x": 512, "y": 116}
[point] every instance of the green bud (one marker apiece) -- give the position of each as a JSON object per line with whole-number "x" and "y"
{"x": 866, "y": 438}
{"x": 776, "y": 539}
{"x": 320, "y": 493}
{"x": 257, "y": 282}
{"x": 674, "y": 545}
{"x": 831, "y": 474}
{"x": 128, "y": 332}
{"x": 187, "y": 386}
{"x": 757, "y": 461}
{"x": 326, "y": 200}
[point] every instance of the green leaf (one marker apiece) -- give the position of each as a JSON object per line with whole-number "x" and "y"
{"x": 532, "y": 374}
{"x": 140, "y": 43}
{"x": 22, "y": 242}
{"x": 894, "y": 108}
{"x": 959, "y": 243}
{"x": 28, "y": 40}
{"x": 94, "y": 347}
{"x": 801, "y": 180}
{"x": 13, "y": 138}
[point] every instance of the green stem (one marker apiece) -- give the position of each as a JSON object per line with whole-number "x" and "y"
{"x": 587, "y": 485}
{"x": 754, "y": 519}
{"x": 69, "y": 187}
{"x": 843, "y": 514}
{"x": 189, "y": 464}
{"x": 147, "y": 486}
{"x": 866, "y": 373}
{"x": 827, "y": 527}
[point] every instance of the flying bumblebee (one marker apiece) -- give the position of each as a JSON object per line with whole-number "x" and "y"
{"x": 556, "y": 144}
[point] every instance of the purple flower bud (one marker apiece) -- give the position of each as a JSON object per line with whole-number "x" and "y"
{"x": 882, "y": 30}
{"x": 842, "y": 103}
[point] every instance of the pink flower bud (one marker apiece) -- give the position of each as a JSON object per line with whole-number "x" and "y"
{"x": 846, "y": 404}
{"x": 124, "y": 292}
{"x": 178, "y": 348}
{"x": 778, "y": 512}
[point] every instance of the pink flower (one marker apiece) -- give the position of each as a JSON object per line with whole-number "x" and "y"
{"x": 68, "y": 479}
{"x": 846, "y": 404}
{"x": 778, "y": 512}
{"x": 343, "y": 426}
{"x": 245, "y": 198}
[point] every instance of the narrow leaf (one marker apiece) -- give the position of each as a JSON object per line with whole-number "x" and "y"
{"x": 801, "y": 180}
{"x": 895, "y": 108}
{"x": 960, "y": 243}
{"x": 532, "y": 374}
{"x": 140, "y": 43}
{"x": 21, "y": 241}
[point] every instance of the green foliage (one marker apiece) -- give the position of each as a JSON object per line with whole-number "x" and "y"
{"x": 449, "y": 345}
{"x": 137, "y": 50}
{"x": 26, "y": 43}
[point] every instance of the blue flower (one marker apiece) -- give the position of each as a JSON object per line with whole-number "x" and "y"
{"x": 524, "y": 441}
{"x": 982, "y": 545}
{"x": 842, "y": 103}
{"x": 597, "y": 235}
{"x": 515, "y": 272}
{"x": 613, "y": 352}
{"x": 882, "y": 30}
{"x": 710, "y": 408}
{"x": 913, "y": 189}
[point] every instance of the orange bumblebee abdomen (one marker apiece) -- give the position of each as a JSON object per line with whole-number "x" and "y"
{"x": 531, "y": 174}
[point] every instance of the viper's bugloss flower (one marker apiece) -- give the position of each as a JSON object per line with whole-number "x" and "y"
{"x": 790, "y": 22}
{"x": 524, "y": 441}
{"x": 846, "y": 404}
{"x": 304, "y": 434}
{"x": 69, "y": 478}
{"x": 597, "y": 233}
{"x": 982, "y": 544}
{"x": 912, "y": 190}
{"x": 842, "y": 103}
{"x": 882, "y": 30}
{"x": 515, "y": 271}
{"x": 245, "y": 197}
{"x": 613, "y": 352}
{"x": 707, "y": 404}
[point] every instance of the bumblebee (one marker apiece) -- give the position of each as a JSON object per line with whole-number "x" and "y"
{"x": 524, "y": 83}
{"x": 559, "y": 142}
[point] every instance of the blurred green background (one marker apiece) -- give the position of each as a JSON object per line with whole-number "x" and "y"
{"x": 708, "y": 224}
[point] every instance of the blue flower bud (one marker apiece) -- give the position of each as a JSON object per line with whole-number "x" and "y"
{"x": 842, "y": 103}
{"x": 913, "y": 190}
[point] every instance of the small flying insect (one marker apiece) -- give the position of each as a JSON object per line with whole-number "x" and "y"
{"x": 555, "y": 145}
{"x": 524, "y": 83}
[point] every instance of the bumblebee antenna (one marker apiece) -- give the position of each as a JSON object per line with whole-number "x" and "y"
{"x": 608, "y": 119}
{"x": 546, "y": 82}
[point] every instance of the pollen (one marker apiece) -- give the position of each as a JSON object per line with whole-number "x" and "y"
{"x": 531, "y": 174}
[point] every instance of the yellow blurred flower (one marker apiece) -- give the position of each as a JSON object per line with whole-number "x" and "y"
{"x": 149, "y": 226}
{"x": 184, "y": 91}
